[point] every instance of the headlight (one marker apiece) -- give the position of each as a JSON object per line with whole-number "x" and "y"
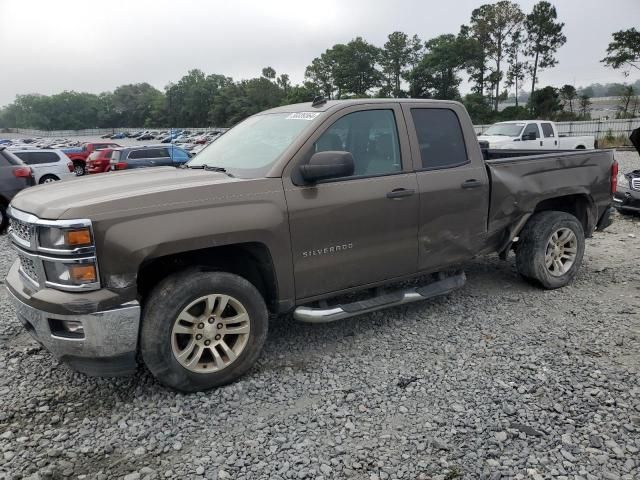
{"x": 65, "y": 239}
{"x": 71, "y": 274}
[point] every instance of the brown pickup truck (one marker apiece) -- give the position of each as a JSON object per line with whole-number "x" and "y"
{"x": 325, "y": 210}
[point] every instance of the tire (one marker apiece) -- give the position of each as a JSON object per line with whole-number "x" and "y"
{"x": 48, "y": 179}
{"x": 536, "y": 247}
{"x": 4, "y": 219}
{"x": 78, "y": 169}
{"x": 178, "y": 298}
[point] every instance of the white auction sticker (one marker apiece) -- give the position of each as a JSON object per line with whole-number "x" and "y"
{"x": 303, "y": 116}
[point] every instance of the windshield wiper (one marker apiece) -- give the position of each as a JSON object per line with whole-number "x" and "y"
{"x": 209, "y": 168}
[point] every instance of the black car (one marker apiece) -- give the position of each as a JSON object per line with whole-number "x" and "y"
{"x": 15, "y": 175}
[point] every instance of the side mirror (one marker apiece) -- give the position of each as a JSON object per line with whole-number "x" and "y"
{"x": 324, "y": 165}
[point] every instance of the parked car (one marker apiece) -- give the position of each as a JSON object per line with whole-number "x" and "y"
{"x": 294, "y": 210}
{"x": 79, "y": 155}
{"x": 117, "y": 136}
{"x": 106, "y": 135}
{"x": 47, "y": 165}
{"x": 98, "y": 161}
{"x": 627, "y": 197}
{"x": 532, "y": 135}
{"x": 143, "y": 157}
{"x": 147, "y": 136}
{"x": 14, "y": 177}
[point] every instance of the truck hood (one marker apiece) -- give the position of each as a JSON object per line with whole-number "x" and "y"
{"x": 104, "y": 194}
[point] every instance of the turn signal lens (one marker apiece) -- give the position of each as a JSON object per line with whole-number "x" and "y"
{"x": 77, "y": 238}
{"x": 82, "y": 273}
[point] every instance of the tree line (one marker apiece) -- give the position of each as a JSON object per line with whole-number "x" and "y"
{"x": 501, "y": 50}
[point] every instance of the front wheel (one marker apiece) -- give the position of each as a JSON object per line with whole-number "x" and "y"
{"x": 550, "y": 249}
{"x": 202, "y": 329}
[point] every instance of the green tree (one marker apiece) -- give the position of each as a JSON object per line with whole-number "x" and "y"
{"x": 545, "y": 103}
{"x": 479, "y": 109}
{"x": 436, "y": 76}
{"x": 624, "y": 50}
{"x": 319, "y": 75}
{"x": 397, "y": 54}
{"x": 269, "y": 73}
{"x": 585, "y": 106}
{"x": 569, "y": 94}
{"x": 544, "y": 38}
{"x": 497, "y": 23}
{"x": 627, "y": 99}
{"x": 517, "y": 65}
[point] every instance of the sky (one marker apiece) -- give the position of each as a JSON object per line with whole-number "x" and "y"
{"x": 47, "y": 46}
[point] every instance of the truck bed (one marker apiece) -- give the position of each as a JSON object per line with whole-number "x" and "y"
{"x": 521, "y": 180}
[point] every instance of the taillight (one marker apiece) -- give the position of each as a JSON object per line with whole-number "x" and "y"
{"x": 70, "y": 166}
{"x": 23, "y": 172}
{"x": 121, "y": 166}
{"x": 614, "y": 176}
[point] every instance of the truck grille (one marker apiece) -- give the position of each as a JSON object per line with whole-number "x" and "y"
{"x": 22, "y": 230}
{"x": 28, "y": 266}
{"x": 635, "y": 183}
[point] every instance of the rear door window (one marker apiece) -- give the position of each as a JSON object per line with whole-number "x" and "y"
{"x": 136, "y": 154}
{"x": 38, "y": 158}
{"x": 439, "y": 137}
{"x": 547, "y": 130}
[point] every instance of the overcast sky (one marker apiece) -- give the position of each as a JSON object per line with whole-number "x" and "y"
{"x": 47, "y": 46}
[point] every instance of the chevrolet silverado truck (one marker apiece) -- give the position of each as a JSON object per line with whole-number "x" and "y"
{"x": 533, "y": 135}
{"x": 325, "y": 210}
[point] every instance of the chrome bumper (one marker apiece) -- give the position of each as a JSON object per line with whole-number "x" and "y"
{"x": 106, "y": 345}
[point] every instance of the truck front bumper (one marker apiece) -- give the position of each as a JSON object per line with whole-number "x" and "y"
{"x": 101, "y": 343}
{"x": 627, "y": 199}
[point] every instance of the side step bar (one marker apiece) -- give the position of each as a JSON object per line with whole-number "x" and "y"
{"x": 393, "y": 299}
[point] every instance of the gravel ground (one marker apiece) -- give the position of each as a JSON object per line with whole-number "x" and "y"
{"x": 497, "y": 380}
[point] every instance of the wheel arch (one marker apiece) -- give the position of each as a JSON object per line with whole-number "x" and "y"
{"x": 251, "y": 260}
{"x": 579, "y": 205}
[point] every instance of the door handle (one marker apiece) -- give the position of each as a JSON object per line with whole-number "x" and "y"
{"x": 471, "y": 183}
{"x": 400, "y": 193}
{"x": 540, "y": 142}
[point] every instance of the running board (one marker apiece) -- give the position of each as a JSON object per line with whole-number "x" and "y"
{"x": 400, "y": 297}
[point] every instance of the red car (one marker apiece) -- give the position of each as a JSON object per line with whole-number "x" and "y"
{"x": 98, "y": 161}
{"x": 79, "y": 155}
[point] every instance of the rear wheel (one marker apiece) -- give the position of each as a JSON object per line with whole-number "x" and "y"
{"x": 550, "y": 249}
{"x": 49, "y": 179}
{"x": 202, "y": 329}
{"x": 78, "y": 168}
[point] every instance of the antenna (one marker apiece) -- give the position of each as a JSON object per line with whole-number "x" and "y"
{"x": 318, "y": 100}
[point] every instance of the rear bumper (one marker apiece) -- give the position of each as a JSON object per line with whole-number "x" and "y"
{"x": 106, "y": 345}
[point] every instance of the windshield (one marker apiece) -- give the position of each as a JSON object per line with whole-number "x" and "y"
{"x": 250, "y": 148}
{"x": 505, "y": 129}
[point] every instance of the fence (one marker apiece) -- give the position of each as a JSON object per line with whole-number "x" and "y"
{"x": 96, "y": 132}
{"x": 598, "y": 128}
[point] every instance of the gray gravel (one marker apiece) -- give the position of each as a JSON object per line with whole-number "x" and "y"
{"x": 497, "y": 380}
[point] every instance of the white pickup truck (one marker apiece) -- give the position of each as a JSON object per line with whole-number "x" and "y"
{"x": 532, "y": 135}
